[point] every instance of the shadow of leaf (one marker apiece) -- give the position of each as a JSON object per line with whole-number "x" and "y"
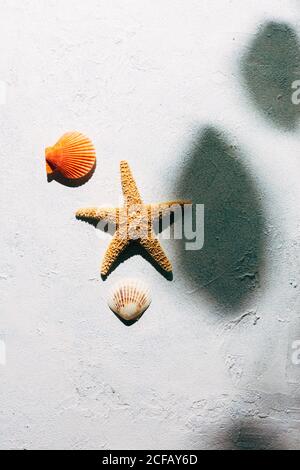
{"x": 228, "y": 266}
{"x": 269, "y": 67}
{"x": 249, "y": 436}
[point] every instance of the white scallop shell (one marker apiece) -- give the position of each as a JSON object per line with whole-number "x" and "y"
{"x": 129, "y": 299}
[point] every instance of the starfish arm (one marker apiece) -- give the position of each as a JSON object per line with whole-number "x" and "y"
{"x": 117, "y": 245}
{"x": 163, "y": 209}
{"x": 130, "y": 190}
{"x": 95, "y": 215}
{"x": 155, "y": 249}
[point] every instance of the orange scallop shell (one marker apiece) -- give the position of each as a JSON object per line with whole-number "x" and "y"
{"x": 73, "y": 156}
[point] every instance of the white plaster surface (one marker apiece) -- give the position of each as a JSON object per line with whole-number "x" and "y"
{"x": 141, "y": 78}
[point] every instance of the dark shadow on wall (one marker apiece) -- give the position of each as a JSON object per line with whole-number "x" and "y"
{"x": 228, "y": 267}
{"x": 251, "y": 436}
{"x": 269, "y": 67}
{"x": 244, "y": 434}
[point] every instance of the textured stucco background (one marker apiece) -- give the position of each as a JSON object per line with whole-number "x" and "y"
{"x": 196, "y": 96}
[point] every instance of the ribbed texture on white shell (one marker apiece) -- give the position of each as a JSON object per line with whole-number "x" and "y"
{"x": 129, "y": 299}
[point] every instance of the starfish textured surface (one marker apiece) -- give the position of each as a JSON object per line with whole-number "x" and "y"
{"x": 134, "y": 221}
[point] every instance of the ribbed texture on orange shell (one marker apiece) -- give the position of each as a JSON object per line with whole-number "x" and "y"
{"x": 73, "y": 156}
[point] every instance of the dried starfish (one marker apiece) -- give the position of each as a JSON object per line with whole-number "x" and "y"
{"x": 134, "y": 221}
